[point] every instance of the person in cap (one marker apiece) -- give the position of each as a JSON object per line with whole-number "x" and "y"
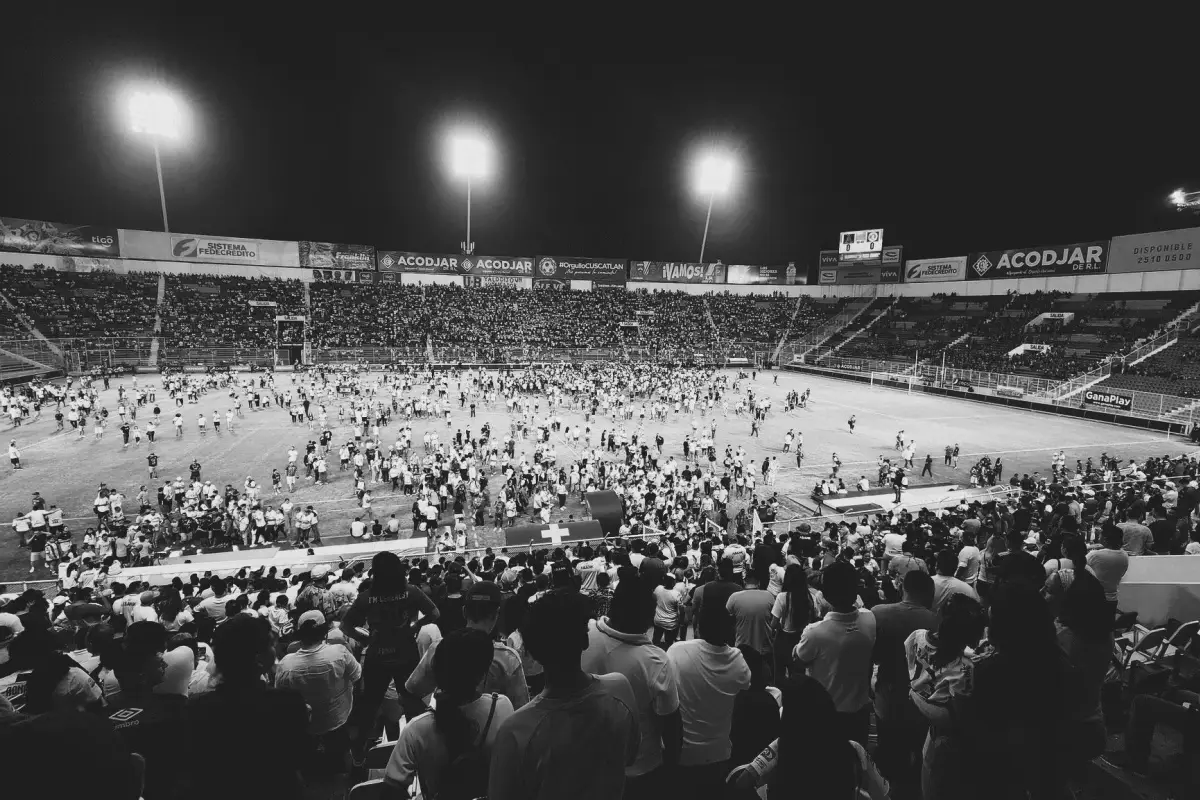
{"x": 324, "y": 673}
{"x": 505, "y": 675}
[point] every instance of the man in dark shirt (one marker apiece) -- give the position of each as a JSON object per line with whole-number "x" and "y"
{"x": 901, "y": 732}
{"x": 717, "y": 593}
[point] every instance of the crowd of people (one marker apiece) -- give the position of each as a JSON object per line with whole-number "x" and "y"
{"x": 696, "y": 650}
{"x": 94, "y": 305}
{"x": 201, "y": 311}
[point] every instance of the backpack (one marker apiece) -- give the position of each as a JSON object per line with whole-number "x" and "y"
{"x": 466, "y": 776}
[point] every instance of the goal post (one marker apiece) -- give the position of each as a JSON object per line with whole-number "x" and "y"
{"x": 895, "y": 380}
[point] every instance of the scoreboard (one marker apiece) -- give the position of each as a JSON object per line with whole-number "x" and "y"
{"x": 854, "y": 243}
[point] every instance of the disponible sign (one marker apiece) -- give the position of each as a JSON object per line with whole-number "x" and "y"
{"x": 598, "y": 270}
{"x": 1118, "y": 402}
{"x": 928, "y": 270}
{"x": 1083, "y": 258}
{"x": 1154, "y": 252}
{"x": 676, "y": 272}
{"x": 57, "y": 238}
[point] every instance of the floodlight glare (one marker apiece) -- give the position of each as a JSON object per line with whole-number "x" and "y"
{"x": 155, "y": 113}
{"x": 714, "y": 174}
{"x": 470, "y": 157}
{"x": 1178, "y": 197}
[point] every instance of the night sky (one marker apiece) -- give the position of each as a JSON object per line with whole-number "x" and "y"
{"x": 316, "y": 134}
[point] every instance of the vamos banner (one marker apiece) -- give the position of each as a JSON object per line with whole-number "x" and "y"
{"x": 1082, "y": 258}
{"x": 676, "y": 272}
{"x": 1154, "y": 252}
{"x": 927, "y": 270}
{"x": 598, "y": 270}
{"x": 329, "y": 256}
{"x": 57, "y": 238}
{"x": 775, "y": 274}
{"x": 1120, "y": 402}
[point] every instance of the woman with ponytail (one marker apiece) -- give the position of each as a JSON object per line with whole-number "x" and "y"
{"x": 449, "y": 748}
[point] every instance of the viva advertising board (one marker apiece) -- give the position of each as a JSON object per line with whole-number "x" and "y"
{"x": 57, "y": 238}
{"x": 928, "y": 270}
{"x": 676, "y": 272}
{"x": 597, "y": 270}
{"x": 1081, "y": 258}
{"x": 1117, "y": 402}
{"x": 860, "y": 275}
{"x": 1155, "y": 252}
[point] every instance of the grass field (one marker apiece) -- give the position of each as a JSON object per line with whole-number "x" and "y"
{"x": 67, "y": 470}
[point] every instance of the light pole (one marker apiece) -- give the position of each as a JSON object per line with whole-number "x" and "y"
{"x": 714, "y": 175}
{"x": 156, "y": 114}
{"x": 470, "y": 159}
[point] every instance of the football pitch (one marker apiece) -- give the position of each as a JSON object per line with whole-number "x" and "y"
{"x": 67, "y": 470}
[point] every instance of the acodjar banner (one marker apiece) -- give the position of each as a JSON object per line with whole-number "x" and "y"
{"x": 1081, "y": 258}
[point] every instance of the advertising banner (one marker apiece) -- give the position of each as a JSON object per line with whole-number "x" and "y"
{"x": 927, "y": 270}
{"x": 158, "y": 246}
{"x": 551, "y": 283}
{"x": 56, "y": 238}
{"x": 404, "y": 261}
{"x": 1082, "y": 258}
{"x": 827, "y": 276}
{"x": 676, "y": 272}
{"x": 329, "y": 256}
{"x": 289, "y": 318}
{"x": 1154, "y": 252}
{"x": 262, "y": 303}
{"x": 499, "y": 281}
{"x": 494, "y": 265}
{"x": 1117, "y": 402}
{"x": 775, "y": 274}
{"x": 829, "y": 259}
{"x": 599, "y": 270}
{"x": 859, "y": 275}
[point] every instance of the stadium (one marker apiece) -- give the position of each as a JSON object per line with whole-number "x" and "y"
{"x": 718, "y": 526}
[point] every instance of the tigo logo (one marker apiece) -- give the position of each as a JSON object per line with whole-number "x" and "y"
{"x": 982, "y": 265}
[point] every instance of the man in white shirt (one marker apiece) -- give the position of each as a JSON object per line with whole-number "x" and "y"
{"x": 618, "y": 643}
{"x": 837, "y": 651}
{"x": 945, "y": 584}
{"x": 710, "y": 675}
{"x": 576, "y": 738}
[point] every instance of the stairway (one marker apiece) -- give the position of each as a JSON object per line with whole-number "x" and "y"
{"x": 849, "y": 314}
{"x": 788, "y": 331}
{"x": 155, "y": 343}
{"x": 877, "y": 309}
{"x": 31, "y": 330}
{"x": 708, "y": 315}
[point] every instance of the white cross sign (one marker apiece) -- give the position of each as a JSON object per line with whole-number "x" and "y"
{"x": 556, "y": 533}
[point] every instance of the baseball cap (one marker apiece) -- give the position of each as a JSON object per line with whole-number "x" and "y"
{"x": 320, "y": 571}
{"x": 313, "y": 617}
{"x": 484, "y": 591}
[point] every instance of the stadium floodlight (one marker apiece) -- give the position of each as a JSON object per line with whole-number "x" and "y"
{"x": 1185, "y": 201}
{"x": 713, "y": 175}
{"x": 156, "y": 114}
{"x": 471, "y": 160}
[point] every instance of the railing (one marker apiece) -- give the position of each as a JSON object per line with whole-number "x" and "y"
{"x": 1143, "y": 406}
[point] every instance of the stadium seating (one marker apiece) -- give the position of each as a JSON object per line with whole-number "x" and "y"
{"x": 97, "y": 305}
{"x": 210, "y": 310}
